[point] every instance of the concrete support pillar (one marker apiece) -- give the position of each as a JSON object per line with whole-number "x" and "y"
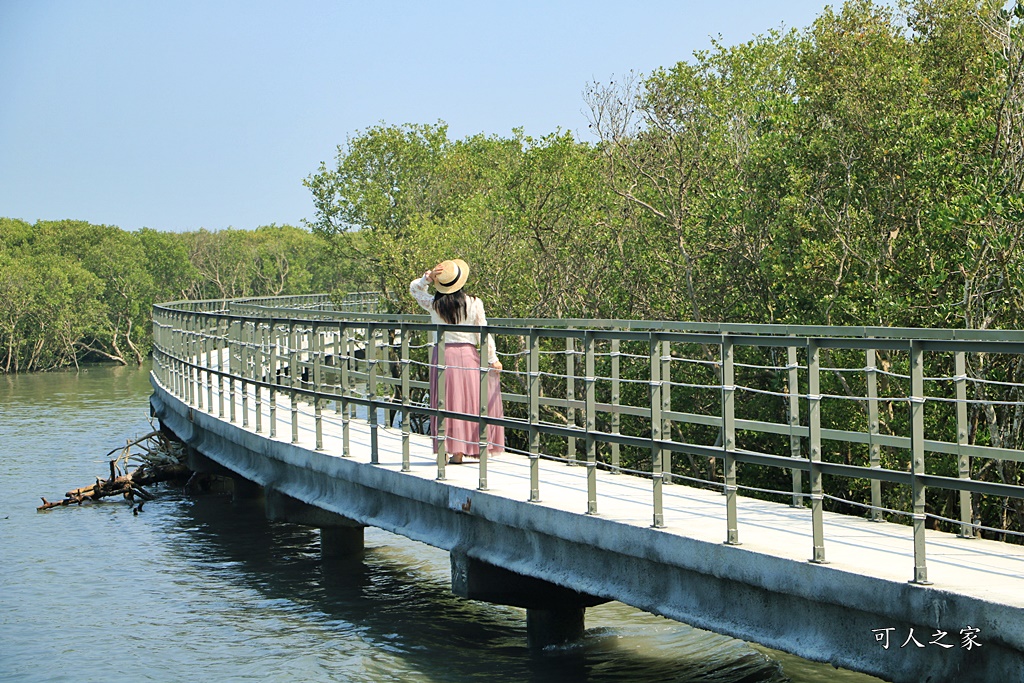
{"x": 554, "y": 614}
{"x": 546, "y": 627}
{"x": 340, "y": 537}
{"x": 245, "y": 491}
{"x": 212, "y": 477}
{"x": 242, "y": 490}
{"x": 341, "y": 542}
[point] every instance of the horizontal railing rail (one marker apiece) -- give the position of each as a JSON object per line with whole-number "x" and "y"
{"x": 671, "y": 401}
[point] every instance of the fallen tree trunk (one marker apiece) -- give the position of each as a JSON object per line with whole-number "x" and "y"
{"x": 160, "y": 460}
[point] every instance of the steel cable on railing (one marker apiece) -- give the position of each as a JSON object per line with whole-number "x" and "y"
{"x": 696, "y": 361}
{"x": 973, "y": 525}
{"x": 866, "y": 506}
{"x": 975, "y": 380}
{"x": 561, "y": 352}
{"x": 687, "y": 385}
{"x": 782, "y": 394}
{"x": 984, "y": 402}
{"x": 770, "y": 367}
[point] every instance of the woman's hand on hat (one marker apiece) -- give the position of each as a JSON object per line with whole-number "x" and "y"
{"x": 431, "y": 275}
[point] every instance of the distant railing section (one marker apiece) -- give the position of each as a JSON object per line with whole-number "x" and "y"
{"x": 877, "y": 406}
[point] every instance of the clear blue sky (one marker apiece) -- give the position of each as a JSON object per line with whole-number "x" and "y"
{"x": 187, "y": 114}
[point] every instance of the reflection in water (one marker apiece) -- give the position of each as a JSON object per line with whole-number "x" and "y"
{"x": 204, "y": 589}
{"x": 398, "y": 601}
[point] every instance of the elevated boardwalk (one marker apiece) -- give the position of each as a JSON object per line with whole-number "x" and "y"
{"x": 556, "y": 536}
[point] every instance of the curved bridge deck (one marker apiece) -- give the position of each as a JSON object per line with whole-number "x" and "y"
{"x": 655, "y": 545}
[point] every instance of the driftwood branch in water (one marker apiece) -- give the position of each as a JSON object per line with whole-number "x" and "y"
{"x": 160, "y": 460}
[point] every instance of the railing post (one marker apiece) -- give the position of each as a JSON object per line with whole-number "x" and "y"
{"x": 187, "y": 356}
{"x": 184, "y": 367}
{"x": 533, "y": 377}
{"x": 205, "y": 358}
{"x": 176, "y": 336}
{"x": 194, "y": 395}
{"x": 341, "y": 363}
{"x": 729, "y": 440}
{"x": 441, "y": 403}
{"x": 170, "y": 338}
{"x": 200, "y": 345}
{"x": 814, "y": 447}
{"x": 156, "y": 345}
{"x": 199, "y": 360}
{"x": 166, "y": 341}
{"x": 293, "y": 373}
{"x": 962, "y": 435}
{"x": 160, "y": 334}
{"x": 222, "y": 349}
{"x": 616, "y": 399}
{"x": 406, "y": 400}
{"x": 346, "y": 379}
{"x": 482, "y": 433}
{"x": 163, "y": 347}
{"x": 254, "y": 360}
{"x": 318, "y": 404}
{"x": 244, "y": 374}
{"x": 590, "y": 416}
{"x": 175, "y": 349}
{"x": 259, "y": 334}
{"x": 208, "y": 345}
{"x": 666, "y": 407}
{"x": 168, "y": 348}
{"x": 570, "y": 397}
{"x": 795, "y": 451}
{"x": 371, "y": 389}
{"x": 177, "y": 345}
{"x": 874, "y": 450}
{"x": 190, "y": 353}
{"x": 158, "y": 341}
{"x": 273, "y": 376}
{"x": 654, "y": 358}
{"x": 917, "y": 466}
{"x": 180, "y": 348}
{"x": 208, "y": 348}
{"x": 234, "y": 330}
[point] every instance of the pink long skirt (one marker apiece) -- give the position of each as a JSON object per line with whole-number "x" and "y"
{"x": 462, "y": 395}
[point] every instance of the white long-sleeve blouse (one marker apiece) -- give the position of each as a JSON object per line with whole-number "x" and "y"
{"x": 474, "y": 316}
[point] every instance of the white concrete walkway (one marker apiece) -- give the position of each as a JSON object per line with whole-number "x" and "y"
{"x": 989, "y": 570}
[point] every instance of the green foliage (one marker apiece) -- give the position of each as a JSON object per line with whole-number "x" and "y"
{"x": 48, "y": 302}
{"x": 71, "y": 291}
{"x": 866, "y": 170}
{"x": 402, "y": 198}
{"x": 168, "y": 263}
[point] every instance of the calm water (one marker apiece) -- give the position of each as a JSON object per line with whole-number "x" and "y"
{"x": 201, "y": 589}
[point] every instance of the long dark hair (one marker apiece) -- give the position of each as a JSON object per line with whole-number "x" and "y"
{"x": 451, "y": 307}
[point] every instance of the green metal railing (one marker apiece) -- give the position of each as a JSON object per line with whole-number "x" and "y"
{"x": 664, "y": 400}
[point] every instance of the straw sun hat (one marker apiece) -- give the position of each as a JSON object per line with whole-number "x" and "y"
{"x": 452, "y": 277}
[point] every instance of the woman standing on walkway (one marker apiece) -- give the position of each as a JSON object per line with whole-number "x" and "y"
{"x": 450, "y": 305}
